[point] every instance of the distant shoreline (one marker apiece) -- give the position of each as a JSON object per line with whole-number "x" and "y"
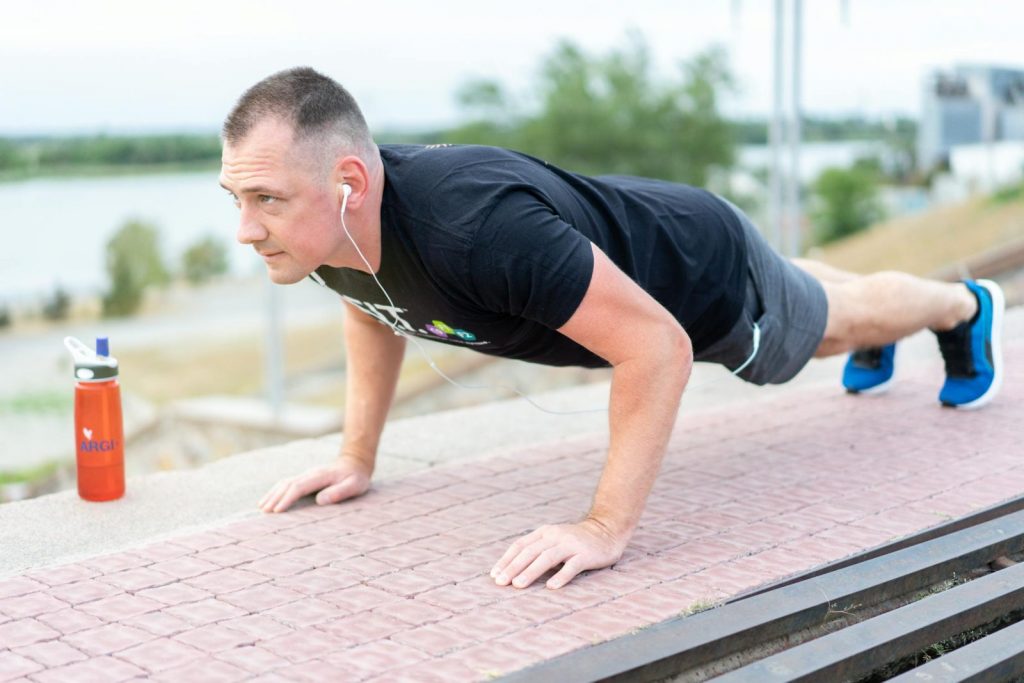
{"x": 79, "y": 171}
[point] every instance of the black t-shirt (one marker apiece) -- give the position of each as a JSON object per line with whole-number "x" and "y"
{"x": 490, "y": 249}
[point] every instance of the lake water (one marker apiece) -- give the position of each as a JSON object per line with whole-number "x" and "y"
{"x": 54, "y": 231}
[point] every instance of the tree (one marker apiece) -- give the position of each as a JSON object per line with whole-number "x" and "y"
{"x": 204, "y": 260}
{"x": 133, "y": 263}
{"x": 847, "y": 201}
{"x": 11, "y": 158}
{"x": 58, "y": 305}
{"x": 609, "y": 114}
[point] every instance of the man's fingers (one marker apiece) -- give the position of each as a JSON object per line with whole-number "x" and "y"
{"x": 513, "y": 550}
{"x": 521, "y": 561}
{"x": 551, "y": 557}
{"x": 290, "y": 490}
{"x": 272, "y": 496}
{"x": 348, "y": 487}
{"x": 567, "y": 573}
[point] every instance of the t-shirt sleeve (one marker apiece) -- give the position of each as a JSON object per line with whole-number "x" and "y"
{"x": 526, "y": 261}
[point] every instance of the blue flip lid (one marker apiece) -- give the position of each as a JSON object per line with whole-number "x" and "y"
{"x": 102, "y": 346}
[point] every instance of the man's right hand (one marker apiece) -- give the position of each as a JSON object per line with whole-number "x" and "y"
{"x": 346, "y": 478}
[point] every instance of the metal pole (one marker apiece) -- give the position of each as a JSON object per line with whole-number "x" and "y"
{"x": 793, "y": 210}
{"x": 273, "y": 365}
{"x": 775, "y": 132}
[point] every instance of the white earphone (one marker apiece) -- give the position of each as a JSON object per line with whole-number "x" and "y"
{"x": 346, "y": 190}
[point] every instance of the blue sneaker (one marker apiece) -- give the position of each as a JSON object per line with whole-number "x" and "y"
{"x": 972, "y": 351}
{"x": 869, "y": 371}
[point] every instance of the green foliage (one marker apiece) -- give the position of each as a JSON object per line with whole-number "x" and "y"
{"x": 104, "y": 150}
{"x": 30, "y": 475}
{"x": 847, "y": 201}
{"x": 610, "y": 115}
{"x": 1010, "y": 193}
{"x": 133, "y": 263}
{"x": 204, "y": 260}
{"x": 58, "y": 305}
{"x": 38, "y": 402}
{"x": 11, "y": 156}
{"x": 5, "y": 317}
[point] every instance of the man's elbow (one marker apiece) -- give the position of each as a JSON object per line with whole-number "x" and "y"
{"x": 675, "y": 350}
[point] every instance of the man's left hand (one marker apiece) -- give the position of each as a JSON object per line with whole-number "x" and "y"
{"x": 577, "y": 547}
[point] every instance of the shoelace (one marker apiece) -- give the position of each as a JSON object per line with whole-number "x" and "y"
{"x": 955, "y": 345}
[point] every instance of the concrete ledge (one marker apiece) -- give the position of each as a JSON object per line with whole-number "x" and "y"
{"x": 298, "y": 422}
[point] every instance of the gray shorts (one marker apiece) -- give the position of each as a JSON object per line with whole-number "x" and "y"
{"x": 789, "y": 307}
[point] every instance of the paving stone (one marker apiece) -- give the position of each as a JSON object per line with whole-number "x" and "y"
{"x": 25, "y": 632}
{"x": 133, "y": 580}
{"x": 57, "y": 576}
{"x": 226, "y": 580}
{"x": 13, "y": 665}
{"x": 206, "y": 611}
{"x": 119, "y": 607}
{"x": 107, "y": 639}
{"x": 68, "y": 620}
{"x": 364, "y": 627}
{"x": 175, "y": 594}
{"x": 214, "y": 638}
{"x": 94, "y": 670}
{"x": 160, "y": 654}
{"x": 306, "y": 644}
{"x": 31, "y": 605}
{"x": 208, "y": 670}
{"x": 252, "y": 658}
{"x": 77, "y": 592}
{"x": 51, "y": 653}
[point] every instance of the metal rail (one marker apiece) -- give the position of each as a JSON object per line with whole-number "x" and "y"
{"x": 995, "y": 658}
{"x": 768, "y": 618}
{"x": 858, "y": 650}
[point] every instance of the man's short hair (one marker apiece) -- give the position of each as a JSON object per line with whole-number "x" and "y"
{"x": 317, "y": 107}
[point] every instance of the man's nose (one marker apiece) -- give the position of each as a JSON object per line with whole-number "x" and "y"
{"x": 249, "y": 228}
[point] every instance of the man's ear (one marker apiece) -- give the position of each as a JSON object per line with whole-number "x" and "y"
{"x": 350, "y": 172}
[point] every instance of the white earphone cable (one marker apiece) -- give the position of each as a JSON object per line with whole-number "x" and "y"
{"x": 441, "y": 373}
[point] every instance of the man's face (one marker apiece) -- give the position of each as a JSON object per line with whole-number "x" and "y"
{"x": 288, "y": 212}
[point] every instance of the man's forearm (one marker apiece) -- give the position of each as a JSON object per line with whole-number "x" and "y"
{"x": 374, "y": 356}
{"x": 645, "y": 398}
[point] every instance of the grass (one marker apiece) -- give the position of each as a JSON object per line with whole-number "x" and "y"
{"x": 701, "y": 606}
{"x": 233, "y": 366}
{"x": 1011, "y": 193}
{"x": 924, "y": 243}
{"x": 40, "y": 402}
{"x": 30, "y": 474}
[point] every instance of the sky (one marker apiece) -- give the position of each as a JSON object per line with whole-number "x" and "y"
{"x": 129, "y": 66}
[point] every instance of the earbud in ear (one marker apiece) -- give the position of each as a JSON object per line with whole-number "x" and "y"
{"x": 346, "y": 189}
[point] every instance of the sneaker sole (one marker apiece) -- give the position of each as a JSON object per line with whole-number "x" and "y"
{"x": 998, "y": 307}
{"x": 875, "y": 390}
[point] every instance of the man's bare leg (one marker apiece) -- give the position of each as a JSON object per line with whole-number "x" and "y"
{"x": 824, "y": 272}
{"x": 878, "y": 309}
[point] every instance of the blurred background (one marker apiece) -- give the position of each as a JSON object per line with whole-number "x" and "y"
{"x": 867, "y": 133}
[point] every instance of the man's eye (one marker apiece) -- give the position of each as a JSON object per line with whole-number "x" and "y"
{"x": 267, "y": 199}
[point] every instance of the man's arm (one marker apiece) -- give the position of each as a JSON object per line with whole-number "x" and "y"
{"x": 374, "y": 355}
{"x": 652, "y": 357}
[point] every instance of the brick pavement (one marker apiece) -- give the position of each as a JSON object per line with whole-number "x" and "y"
{"x": 394, "y": 586}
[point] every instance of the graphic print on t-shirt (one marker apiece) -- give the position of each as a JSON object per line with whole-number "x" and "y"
{"x": 394, "y": 317}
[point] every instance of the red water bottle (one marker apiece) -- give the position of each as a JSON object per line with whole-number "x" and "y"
{"x": 99, "y": 434}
